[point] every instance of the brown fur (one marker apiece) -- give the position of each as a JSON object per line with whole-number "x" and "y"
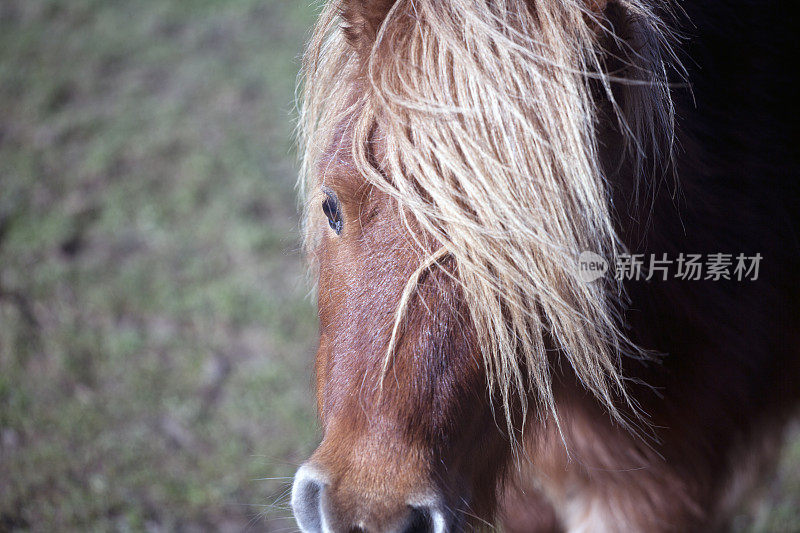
{"x": 407, "y": 418}
{"x": 369, "y": 256}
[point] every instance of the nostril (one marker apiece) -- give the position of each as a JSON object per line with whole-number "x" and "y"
{"x": 307, "y": 492}
{"x": 420, "y": 521}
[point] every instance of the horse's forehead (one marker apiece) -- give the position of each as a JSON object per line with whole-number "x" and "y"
{"x": 340, "y": 174}
{"x": 337, "y": 168}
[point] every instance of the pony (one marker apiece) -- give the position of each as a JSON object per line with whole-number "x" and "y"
{"x": 460, "y": 160}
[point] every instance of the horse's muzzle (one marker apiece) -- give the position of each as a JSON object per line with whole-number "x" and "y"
{"x": 317, "y": 512}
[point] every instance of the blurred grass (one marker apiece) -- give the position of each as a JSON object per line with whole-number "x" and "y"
{"x": 155, "y": 337}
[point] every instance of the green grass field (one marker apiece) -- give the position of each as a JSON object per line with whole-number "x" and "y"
{"x": 156, "y": 332}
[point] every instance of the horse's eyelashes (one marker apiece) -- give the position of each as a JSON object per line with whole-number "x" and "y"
{"x": 332, "y": 210}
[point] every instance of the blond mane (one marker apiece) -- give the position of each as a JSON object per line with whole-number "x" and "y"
{"x": 487, "y": 116}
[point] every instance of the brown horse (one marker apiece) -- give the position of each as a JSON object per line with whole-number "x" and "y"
{"x": 462, "y": 158}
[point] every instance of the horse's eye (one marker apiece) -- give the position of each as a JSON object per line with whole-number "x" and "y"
{"x": 332, "y": 210}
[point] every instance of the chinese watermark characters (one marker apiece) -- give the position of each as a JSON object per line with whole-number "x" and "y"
{"x": 661, "y": 267}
